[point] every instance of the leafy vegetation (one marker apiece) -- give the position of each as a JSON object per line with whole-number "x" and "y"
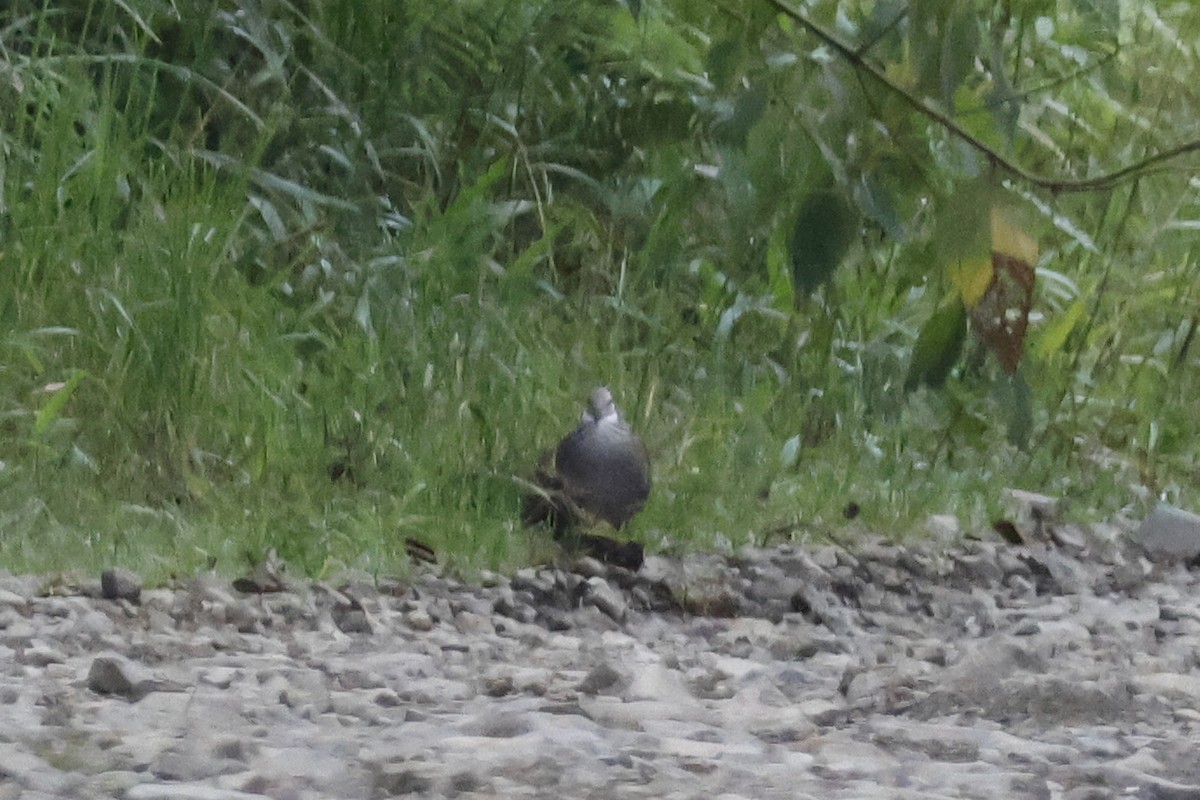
{"x": 321, "y": 275}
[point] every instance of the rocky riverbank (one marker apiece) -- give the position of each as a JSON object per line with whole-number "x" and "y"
{"x": 973, "y": 670}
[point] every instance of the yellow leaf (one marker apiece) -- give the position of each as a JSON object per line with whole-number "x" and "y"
{"x": 972, "y": 277}
{"x": 1009, "y": 240}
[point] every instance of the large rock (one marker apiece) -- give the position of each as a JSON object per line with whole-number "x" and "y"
{"x": 1170, "y": 533}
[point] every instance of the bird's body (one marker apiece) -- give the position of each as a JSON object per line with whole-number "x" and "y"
{"x": 603, "y": 465}
{"x": 599, "y": 471}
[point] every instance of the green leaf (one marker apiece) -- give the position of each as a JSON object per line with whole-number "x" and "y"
{"x": 779, "y": 278}
{"x": 958, "y": 51}
{"x": 938, "y": 346}
{"x": 878, "y": 201}
{"x": 723, "y": 62}
{"x": 1101, "y": 21}
{"x": 660, "y": 122}
{"x": 656, "y": 43}
{"x": 962, "y": 228}
{"x": 747, "y": 111}
{"x": 1019, "y": 398}
{"x": 1054, "y": 336}
{"x": 1003, "y": 99}
{"x": 59, "y": 396}
{"x": 824, "y": 230}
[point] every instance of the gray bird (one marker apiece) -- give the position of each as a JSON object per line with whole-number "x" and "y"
{"x": 603, "y": 465}
{"x": 601, "y": 470}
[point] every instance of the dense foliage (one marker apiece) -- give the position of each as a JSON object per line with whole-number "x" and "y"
{"x": 321, "y": 275}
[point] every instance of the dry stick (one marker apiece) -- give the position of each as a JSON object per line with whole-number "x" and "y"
{"x": 1099, "y": 182}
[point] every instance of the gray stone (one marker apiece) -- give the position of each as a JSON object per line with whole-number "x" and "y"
{"x": 1034, "y": 513}
{"x": 120, "y": 584}
{"x": 1159, "y": 789}
{"x": 601, "y": 677}
{"x": 186, "y": 765}
{"x": 419, "y": 620}
{"x": 498, "y": 685}
{"x": 351, "y": 618}
{"x": 39, "y": 654}
{"x": 1170, "y": 533}
{"x": 928, "y": 669}
{"x": 606, "y": 599}
{"x": 112, "y": 673}
{"x": 396, "y": 780}
{"x": 115, "y": 783}
{"x": 148, "y": 791}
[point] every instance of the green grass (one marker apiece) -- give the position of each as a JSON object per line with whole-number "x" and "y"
{"x": 319, "y": 292}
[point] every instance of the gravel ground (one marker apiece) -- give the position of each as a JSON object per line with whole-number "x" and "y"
{"x": 966, "y": 670}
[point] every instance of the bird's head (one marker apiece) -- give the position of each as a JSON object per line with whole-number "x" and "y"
{"x": 600, "y": 406}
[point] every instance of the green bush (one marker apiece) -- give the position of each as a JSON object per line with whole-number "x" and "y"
{"x": 319, "y": 277}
